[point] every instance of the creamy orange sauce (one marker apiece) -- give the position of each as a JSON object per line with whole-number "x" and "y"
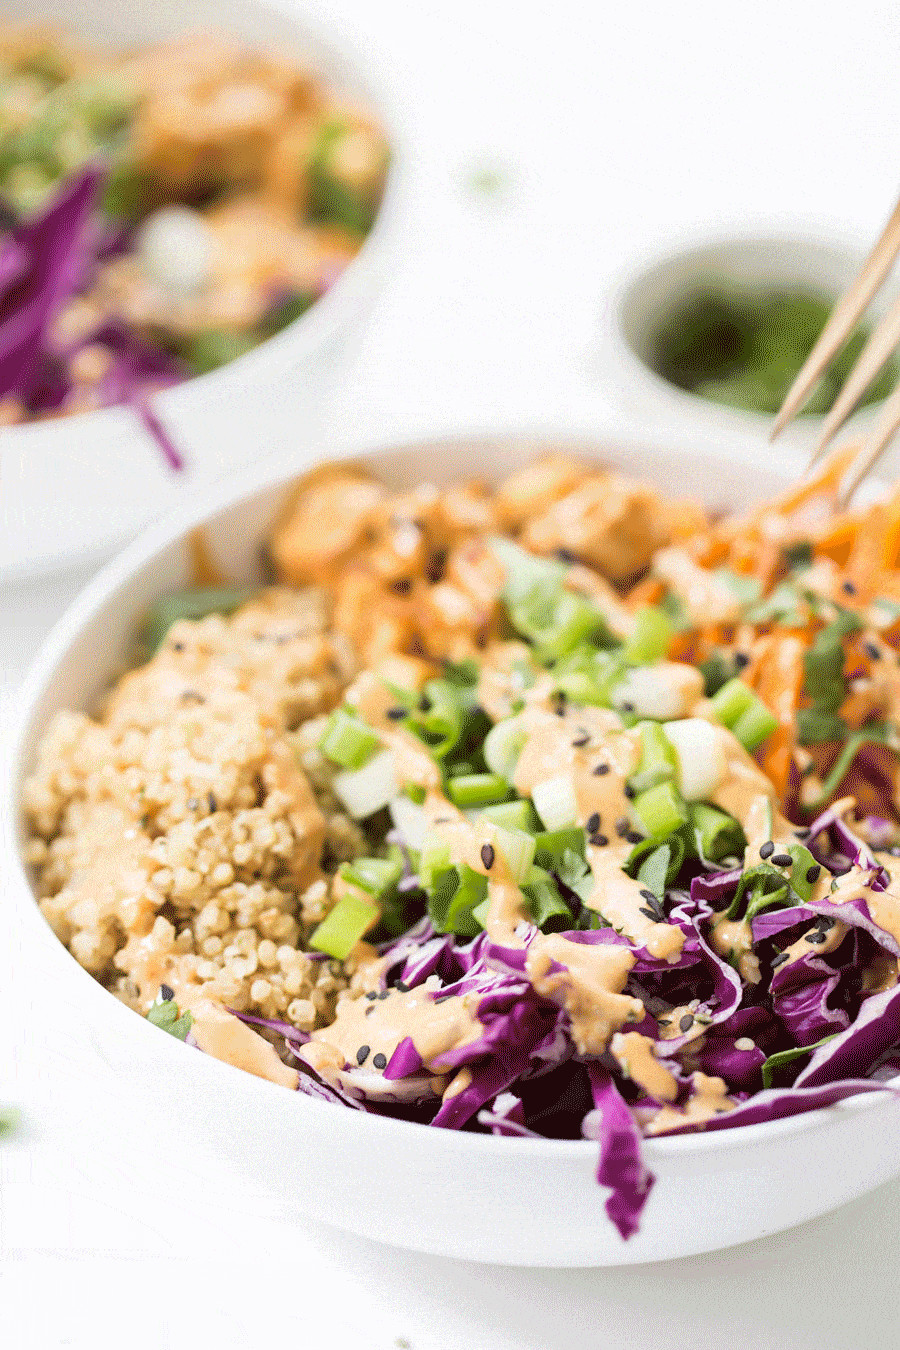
{"x": 372, "y": 699}
{"x": 744, "y": 783}
{"x": 574, "y": 746}
{"x": 709, "y": 1098}
{"x": 433, "y": 1024}
{"x": 220, "y": 1034}
{"x": 805, "y": 946}
{"x": 733, "y": 939}
{"x": 590, "y": 986}
{"x": 636, "y": 1058}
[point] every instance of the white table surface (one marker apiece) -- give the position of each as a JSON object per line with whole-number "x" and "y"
{"x": 615, "y": 126}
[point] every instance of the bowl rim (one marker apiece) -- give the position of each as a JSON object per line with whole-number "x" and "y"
{"x": 339, "y": 58}
{"x": 156, "y": 540}
{"x": 678, "y": 249}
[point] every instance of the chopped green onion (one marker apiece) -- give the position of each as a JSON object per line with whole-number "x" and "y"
{"x": 660, "y": 810}
{"x": 503, "y": 745}
{"x": 516, "y": 815}
{"x": 548, "y": 909}
{"x": 589, "y": 676}
{"x": 784, "y": 1057}
{"x": 700, "y": 756}
{"x": 652, "y": 634}
{"x": 375, "y": 876}
{"x": 190, "y": 604}
{"x": 716, "y": 671}
{"x": 745, "y": 715}
{"x": 753, "y": 726}
{"x": 164, "y": 1014}
{"x": 655, "y": 869}
{"x": 477, "y": 789}
{"x": 517, "y": 848}
{"x": 552, "y": 846}
{"x": 524, "y": 570}
{"x": 717, "y": 835}
{"x": 410, "y": 820}
{"x": 457, "y": 893}
{"x": 643, "y": 851}
{"x": 440, "y": 723}
{"x": 342, "y": 928}
{"x": 367, "y": 790}
{"x": 347, "y": 741}
{"x": 554, "y": 800}
{"x": 435, "y": 858}
{"x": 658, "y": 762}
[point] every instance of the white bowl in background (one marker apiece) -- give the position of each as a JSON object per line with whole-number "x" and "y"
{"x": 76, "y": 488}
{"x": 754, "y": 259}
{"x": 510, "y": 1201}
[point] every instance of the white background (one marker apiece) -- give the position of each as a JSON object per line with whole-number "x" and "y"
{"x": 614, "y": 127}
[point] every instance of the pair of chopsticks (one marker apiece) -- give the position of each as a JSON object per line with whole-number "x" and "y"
{"x": 881, "y": 344}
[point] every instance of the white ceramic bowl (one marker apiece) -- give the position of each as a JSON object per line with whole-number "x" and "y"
{"x": 76, "y": 488}
{"x": 751, "y": 258}
{"x": 531, "y": 1202}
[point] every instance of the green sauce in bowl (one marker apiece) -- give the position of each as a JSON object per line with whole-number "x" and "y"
{"x": 744, "y": 349}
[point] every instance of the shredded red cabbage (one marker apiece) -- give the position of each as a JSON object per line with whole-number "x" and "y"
{"x": 44, "y": 263}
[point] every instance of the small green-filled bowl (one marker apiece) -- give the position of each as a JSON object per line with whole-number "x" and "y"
{"x": 710, "y": 335}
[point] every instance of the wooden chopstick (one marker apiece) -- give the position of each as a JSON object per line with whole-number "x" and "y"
{"x": 883, "y": 432}
{"x": 842, "y": 320}
{"x": 878, "y": 350}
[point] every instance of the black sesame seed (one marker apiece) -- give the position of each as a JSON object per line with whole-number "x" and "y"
{"x": 565, "y": 555}
{"x": 396, "y": 714}
{"x": 767, "y": 849}
{"x": 362, "y": 1054}
{"x": 401, "y": 987}
{"x": 166, "y": 992}
{"x": 373, "y": 993}
{"x": 634, "y": 838}
{"x": 601, "y": 769}
{"x": 741, "y": 659}
{"x": 177, "y": 646}
{"x": 488, "y": 855}
{"x": 627, "y": 706}
{"x": 599, "y": 840}
{"x": 872, "y": 651}
{"x": 593, "y": 823}
{"x": 385, "y": 993}
{"x": 213, "y": 804}
{"x": 629, "y": 791}
{"x": 192, "y": 696}
{"x": 782, "y": 860}
{"x": 816, "y": 939}
{"x": 848, "y": 588}
{"x": 581, "y": 739}
{"x": 560, "y": 710}
{"x": 369, "y": 1011}
{"x": 648, "y": 913}
{"x": 621, "y": 827}
{"x": 824, "y": 923}
{"x": 813, "y": 873}
{"x": 401, "y": 587}
{"x": 648, "y": 895}
{"x": 779, "y": 960}
{"x": 380, "y": 1061}
{"x": 686, "y": 1022}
